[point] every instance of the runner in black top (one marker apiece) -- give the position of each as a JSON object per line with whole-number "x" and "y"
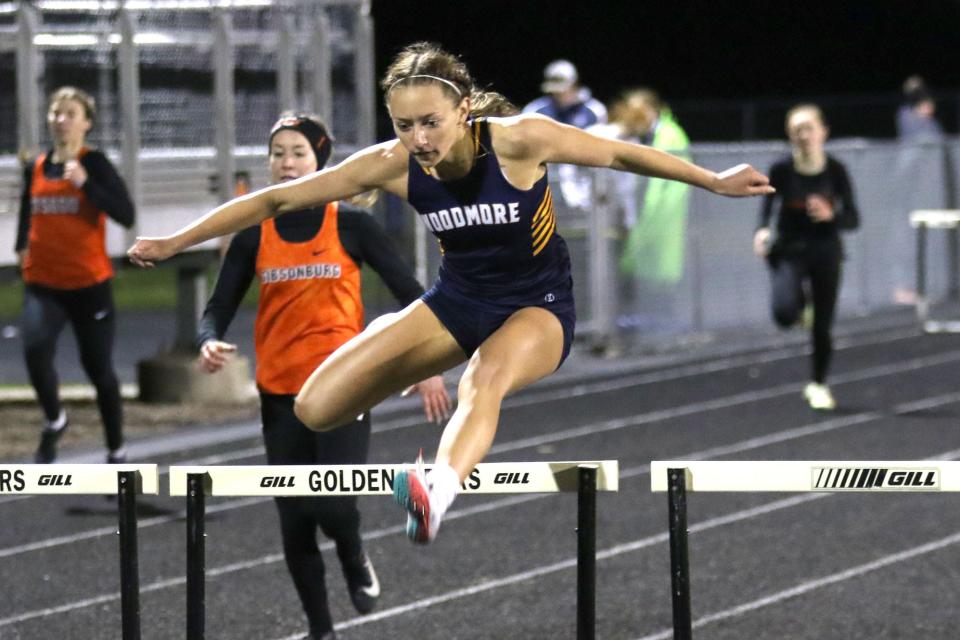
{"x": 815, "y": 202}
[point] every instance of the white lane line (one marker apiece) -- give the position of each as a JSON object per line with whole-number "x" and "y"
{"x": 570, "y": 563}
{"x": 567, "y": 391}
{"x": 612, "y": 425}
{"x": 699, "y": 527}
{"x": 90, "y": 534}
{"x": 719, "y": 403}
{"x": 252, "y": 563}
{"x": 811, "y": 585}
{"x": 676, "y": 372}
{"x": 493, "y": 505}
{"x": 725, "y": 402}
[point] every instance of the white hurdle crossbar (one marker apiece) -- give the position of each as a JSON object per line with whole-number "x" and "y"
{"x": 125, "y": 480}
{"x": 679, "y": 477}
{"x": 377, "y": 479}
{"x": 196, "y": 482}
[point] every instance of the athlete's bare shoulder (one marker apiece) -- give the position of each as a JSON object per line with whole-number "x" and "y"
{"x": 520, "y": 137}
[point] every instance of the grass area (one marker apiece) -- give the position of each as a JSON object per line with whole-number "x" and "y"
{"x": 145, "y": 289}
{"x": 133, "y": 290}
{"x": 11, "y": 299}
{"x": 156, "y": 290}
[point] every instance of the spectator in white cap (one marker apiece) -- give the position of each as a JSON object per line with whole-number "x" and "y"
{"x": 567, "y": 102}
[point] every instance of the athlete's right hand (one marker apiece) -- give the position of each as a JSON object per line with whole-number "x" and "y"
{"x": 214, "y": 354}
{"x": 761, "y": 242}
{"x": 742, "y": 180}
{"x": 147, "y": 251}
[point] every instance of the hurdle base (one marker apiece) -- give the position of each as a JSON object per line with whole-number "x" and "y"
{"x": 175, "y": 377}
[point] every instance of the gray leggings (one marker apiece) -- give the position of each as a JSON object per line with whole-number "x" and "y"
{"x": 91, "y": 313}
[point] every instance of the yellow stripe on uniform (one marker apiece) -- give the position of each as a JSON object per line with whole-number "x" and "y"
{"x": 544, "y": 223}
{"x": 545, "y": 205}
{"x": 541, "y": 243}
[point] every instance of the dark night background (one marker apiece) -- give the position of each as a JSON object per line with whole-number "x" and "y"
{"x": 706, "y": 58}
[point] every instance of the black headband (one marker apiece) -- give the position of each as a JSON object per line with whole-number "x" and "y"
{"x": 315, "y": 133}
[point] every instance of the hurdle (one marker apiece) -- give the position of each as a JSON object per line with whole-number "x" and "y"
{"x": 584, "y": 477}
{"x": 678, "y": 477}
{"x": 125, "y": 480}
{"x": 949, "y": 221}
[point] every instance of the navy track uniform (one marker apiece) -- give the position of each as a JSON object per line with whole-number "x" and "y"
{"x": 501, "y": 251}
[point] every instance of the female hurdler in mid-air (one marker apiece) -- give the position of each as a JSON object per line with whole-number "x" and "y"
{"x": 503, "y": 298}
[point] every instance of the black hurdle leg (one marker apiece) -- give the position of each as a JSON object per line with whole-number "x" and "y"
{"x": 953, "y": 240}
{"x": 922, "y": 309}
{"x": 127, "y": 487}
{"x": 679, "y": 554}
{"x": 195, "y": 555}
{"x": 586, "y": 552}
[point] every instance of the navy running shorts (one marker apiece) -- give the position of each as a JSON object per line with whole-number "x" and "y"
{"x": 471, "y": 320}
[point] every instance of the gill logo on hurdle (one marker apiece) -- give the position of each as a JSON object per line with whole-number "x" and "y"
{"x": 875, "y": 478}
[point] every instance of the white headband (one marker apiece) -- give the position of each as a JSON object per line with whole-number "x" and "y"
{"x": 423, "y": 75}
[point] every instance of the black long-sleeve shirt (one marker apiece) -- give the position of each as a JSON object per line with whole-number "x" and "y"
{"x": 794, "y": 226}
{"x": 104, "y": 188}
{"x": 361, "y": 237}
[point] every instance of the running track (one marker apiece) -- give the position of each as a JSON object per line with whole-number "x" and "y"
{"x": 763, "y": 565}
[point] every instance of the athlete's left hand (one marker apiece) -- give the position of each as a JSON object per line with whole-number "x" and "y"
{"x": 75, "y": 173}
{"x": 436, "y": 400}
{"x": 742, "y": 180}
{"x": 819, "y": 209}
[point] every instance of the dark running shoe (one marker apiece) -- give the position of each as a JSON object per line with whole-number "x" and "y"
{"x": 47, "y": 450}
{"x": 362, "y": 583}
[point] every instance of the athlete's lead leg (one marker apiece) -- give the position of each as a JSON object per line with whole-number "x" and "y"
{"x": 386, "y": 358}
{"x": 526, "y": 348}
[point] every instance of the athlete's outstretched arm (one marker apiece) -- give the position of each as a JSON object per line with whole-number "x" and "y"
{"x": 380, "y": 166}
{"x": 546, "y": 140}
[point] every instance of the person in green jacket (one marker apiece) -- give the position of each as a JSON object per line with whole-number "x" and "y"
{"x": 653, "y": 217}
{"x": 656, "y": 234}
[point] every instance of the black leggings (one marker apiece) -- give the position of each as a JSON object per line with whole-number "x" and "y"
{"x": 822, "y": 270}
{"x": 289, "y": 441}
{"x": 91, "y": 313}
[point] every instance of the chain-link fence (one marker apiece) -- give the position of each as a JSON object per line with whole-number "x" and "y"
{"x": 722, "y": 285}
